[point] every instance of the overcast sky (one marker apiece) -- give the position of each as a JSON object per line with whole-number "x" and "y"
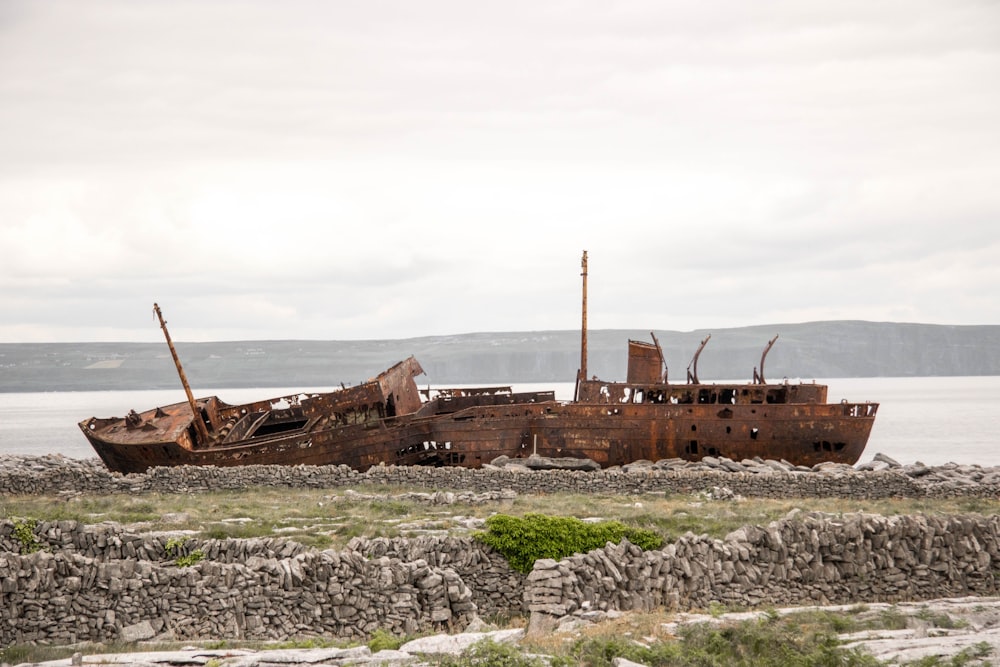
{"x": 365, "y": 170}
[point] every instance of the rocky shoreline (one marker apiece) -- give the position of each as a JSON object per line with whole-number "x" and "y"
{"x": 881, "y": 477}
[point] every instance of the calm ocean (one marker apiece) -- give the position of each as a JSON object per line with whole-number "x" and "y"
{"x": 934, "y": 420}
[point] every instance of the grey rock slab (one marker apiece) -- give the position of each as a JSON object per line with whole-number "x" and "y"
{"x": 159, "y": 658}
{"x": 911, "y": 649}
{"x": 625, "y": 662}
{"x": 455, "y": 644}
{"x": 390, "y": 657}
{"x": 137, "y": 632}
{"x": 308, "y": 656}
{"x": 882, "y": 458}
{"x": 547, "y": 463}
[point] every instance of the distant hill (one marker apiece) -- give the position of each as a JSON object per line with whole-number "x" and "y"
{"x": 810, "y": 350}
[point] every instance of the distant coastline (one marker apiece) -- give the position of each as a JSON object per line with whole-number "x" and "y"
{"x": 835, "y": 349}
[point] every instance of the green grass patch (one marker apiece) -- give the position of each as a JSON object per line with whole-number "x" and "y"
{"x": 383, "y": 640}
{"x": 329, "y": 518}
{"x": 488, "y": 653}
{"x": 523, "y": 540}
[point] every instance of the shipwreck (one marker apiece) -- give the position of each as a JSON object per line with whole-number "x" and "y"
{"x": 389, "y": 420}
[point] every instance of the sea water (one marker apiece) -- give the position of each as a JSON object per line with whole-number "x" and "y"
{"x": 934, "y": 420}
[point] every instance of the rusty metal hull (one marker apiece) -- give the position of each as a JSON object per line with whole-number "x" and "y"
{"x": 385, "y": 421}
{"x": 317, "y": 428}
{"x": 357, "y": 446}
{"x": 445, "y": 433}
{"x": 803, "y": 434}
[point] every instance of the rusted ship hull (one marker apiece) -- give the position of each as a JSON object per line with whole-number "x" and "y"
{"x": 609, "y": 434}
{"x": 318, "y": 428}
{"x": 616, "y": 435}
{"x": 385, "y": 421}
{"x": 356, "y": 446}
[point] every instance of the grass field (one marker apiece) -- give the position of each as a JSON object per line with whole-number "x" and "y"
{"x": 330, "y": 518}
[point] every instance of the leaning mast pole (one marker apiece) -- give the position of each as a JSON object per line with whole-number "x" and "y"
{"x": 199, "y": 423}
{"x": 583, "y": 326}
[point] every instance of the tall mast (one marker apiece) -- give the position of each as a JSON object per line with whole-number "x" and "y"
{"x": 583, "y": 326}
{"x": 199, "y": 423}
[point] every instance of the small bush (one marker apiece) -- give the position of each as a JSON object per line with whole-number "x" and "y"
{"x": 175, "y": 548}
{"x": 523, "y": 540}
{"x": 383, "y": 640}
{"x": 24, "y": 532}
{"x": 190, "y": 559}
{"x": 488, "y": 653}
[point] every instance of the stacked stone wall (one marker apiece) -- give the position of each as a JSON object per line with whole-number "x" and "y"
{"x": 497, "y": 589}
{"x": 54, "y": 475}
{"x": 101, "y": 583}
{"x": 112, "y": 541}
{"x": 248, "y": 589}
{"x": 812, "y": 560}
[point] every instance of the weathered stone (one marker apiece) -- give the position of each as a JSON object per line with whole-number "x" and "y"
{"x": 137, "y": 632}
{"x": 455, "y": 644}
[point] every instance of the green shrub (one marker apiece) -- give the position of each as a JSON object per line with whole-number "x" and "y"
{"x": 24, "y": 532}
{"x": 523, "y": 540}
{"x": 383, "y": 640}
{"x": 175, "y": 548}
{"x": 190, "y": 559}
{"x": 488, "y": 653}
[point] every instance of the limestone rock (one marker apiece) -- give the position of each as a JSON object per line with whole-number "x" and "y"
{"x": 455, "y": 644}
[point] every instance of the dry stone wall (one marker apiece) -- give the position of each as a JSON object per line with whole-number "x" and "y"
{"x": 101, "y": 583}
{"x": 497, "y": 589}
{"x": 55, "y": 475}
{"x": 128, "y": 587}
{"x": 813, "y": 559}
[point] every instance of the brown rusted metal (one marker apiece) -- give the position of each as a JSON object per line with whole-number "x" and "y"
{"x": 387, "y": 420}
{"x": 659, "y": 353}
{"x": 199, "y": 423}
{"x": 692, "y": 369}
{"x": 378, "y": 422}
{"x": 582, "y": 373}
{"x": 644, "y": 364}
{"x": 758, "y": 378}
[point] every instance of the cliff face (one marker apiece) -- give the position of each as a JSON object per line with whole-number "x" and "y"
{"x": 810, "y": 350}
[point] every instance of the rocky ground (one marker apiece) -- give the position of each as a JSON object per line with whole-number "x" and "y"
{"x": 971, "y": 623}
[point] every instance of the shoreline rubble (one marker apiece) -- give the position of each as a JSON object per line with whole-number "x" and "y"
{"x": 881, "y": 477}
